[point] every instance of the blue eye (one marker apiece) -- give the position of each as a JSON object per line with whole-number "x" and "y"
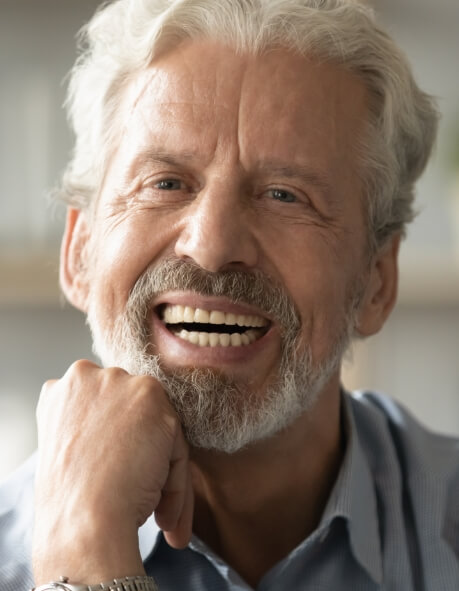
{"x": 281, "y": 195}
{"x": 169, "y": 185}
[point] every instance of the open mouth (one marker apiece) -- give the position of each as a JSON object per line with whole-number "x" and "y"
{"x": 212, "y": 328}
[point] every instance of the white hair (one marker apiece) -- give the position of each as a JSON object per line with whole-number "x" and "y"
{"x": 125, "y": 36}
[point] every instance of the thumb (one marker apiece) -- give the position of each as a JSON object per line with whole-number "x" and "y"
{"x": 180, "y": 536}
{"x": 174, "y": 512}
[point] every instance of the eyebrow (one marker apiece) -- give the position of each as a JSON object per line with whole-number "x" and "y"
{"x": 159, "y": 156}
{"x": 308, "y": 175}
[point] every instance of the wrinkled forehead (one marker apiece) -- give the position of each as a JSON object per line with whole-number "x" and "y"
{"x": 210, "y": 100}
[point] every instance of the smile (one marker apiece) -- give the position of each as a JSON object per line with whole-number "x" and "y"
{"x": 213, "y": 328}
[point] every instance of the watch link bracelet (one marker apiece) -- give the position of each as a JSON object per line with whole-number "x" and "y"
{"x": 123, "y": 584}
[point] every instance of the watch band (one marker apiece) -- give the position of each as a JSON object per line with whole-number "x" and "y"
{"x": 123, "y": 584}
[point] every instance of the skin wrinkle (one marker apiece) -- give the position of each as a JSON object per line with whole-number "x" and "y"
{"x": 129, "y": 89}
{"x": 149, "y": 158}
{"x": 151, "y": 79}
{"x": 239, "y": 119}
{"x": 318, "y": 179}
{"x": 325, "y": 240}
{"x": 248, "y": 202}
{"x": 113, "y": 138}
{"x": 182, "y": 48}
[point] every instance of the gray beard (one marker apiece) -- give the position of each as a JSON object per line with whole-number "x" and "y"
{"x": 217, "y": 413}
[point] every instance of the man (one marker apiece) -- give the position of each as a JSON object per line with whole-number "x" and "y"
{"x": 242, "y": 176}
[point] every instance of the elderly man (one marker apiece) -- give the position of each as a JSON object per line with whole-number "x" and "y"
{"x": 242, "y": 177}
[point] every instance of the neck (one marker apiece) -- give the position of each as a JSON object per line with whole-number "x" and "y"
{"x": 255, "y": 506}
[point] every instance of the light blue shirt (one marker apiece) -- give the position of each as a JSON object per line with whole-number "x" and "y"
{"x": 391, "y": 522}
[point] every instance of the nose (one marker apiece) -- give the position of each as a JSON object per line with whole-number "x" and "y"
{"x": 217, "y": 231}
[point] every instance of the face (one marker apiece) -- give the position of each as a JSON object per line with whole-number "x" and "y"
{"x": 241, "y": 172}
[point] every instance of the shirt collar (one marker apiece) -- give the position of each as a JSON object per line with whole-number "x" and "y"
{"x": 353, "y": 497}
{"x": 148, "y": 537}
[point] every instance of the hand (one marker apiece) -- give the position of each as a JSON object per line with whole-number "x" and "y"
{"x": 111, "y": 451}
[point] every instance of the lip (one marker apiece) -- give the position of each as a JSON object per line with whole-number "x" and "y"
{"x": 181, "y": 353}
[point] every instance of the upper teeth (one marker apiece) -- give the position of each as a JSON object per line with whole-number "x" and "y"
{"x": 181, "y": 314}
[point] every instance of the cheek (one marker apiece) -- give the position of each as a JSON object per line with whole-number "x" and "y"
{"x": 123, "y": 251}
{"x": 319, "y": 283}
{"x": 320, "y": 297}
{"x": 131, "y": 244}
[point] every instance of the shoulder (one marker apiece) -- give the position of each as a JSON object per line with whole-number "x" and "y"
{"x": 424, "y": 465}
{"x": 420, "y": 451}
{"x": 16, "y": 521}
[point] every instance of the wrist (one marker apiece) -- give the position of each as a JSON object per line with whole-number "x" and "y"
{"x": 88, "y": 554}
{"x": 135, "y": 583}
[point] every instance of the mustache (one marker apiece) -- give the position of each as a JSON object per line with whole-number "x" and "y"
{"x": 253, "y": 287}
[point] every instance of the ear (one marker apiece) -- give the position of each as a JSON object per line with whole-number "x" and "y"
{"x": 73, "y": 263}
{"x": 381, "y": 290}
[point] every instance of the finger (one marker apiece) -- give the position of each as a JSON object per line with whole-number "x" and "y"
{"x": 180, "y": 536}
{"x": 173, "y": 493}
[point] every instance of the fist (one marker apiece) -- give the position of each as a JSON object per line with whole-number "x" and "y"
{"x": 111, "y": 452}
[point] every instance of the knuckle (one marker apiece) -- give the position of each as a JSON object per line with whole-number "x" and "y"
{"x": 151, "y": 398}
{"x": 80, "y": 367}
{"x": 109, "y": 379}
{"x": 145, "y": 386}
{"x": 115, "y": 372}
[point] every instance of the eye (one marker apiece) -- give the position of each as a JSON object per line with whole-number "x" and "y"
{"x": 282, "y": 195}
{"x": 169, "y": 185}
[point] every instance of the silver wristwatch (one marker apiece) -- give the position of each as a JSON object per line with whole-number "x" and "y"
{"x": 124, "y": 584}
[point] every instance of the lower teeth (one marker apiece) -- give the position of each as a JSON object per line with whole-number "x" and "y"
{"x": 213, "y": 339}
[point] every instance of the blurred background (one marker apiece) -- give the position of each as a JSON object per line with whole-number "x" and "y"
{"x": 416, "y": 357}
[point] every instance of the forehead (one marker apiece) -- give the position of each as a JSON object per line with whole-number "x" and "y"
{"x": 213, "y": 102}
